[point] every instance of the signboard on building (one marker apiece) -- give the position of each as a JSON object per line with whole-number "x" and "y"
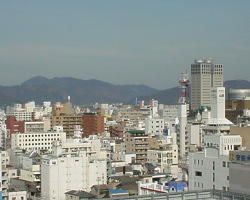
{"x": 240, "y": 156}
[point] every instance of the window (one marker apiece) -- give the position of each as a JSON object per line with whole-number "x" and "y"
{"x": 223, "y": 164}
{"x": 197, "y": 173}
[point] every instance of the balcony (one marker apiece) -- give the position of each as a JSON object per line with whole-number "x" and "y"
{"x": 141, "y": 147}
{"x": 141, "y": 142}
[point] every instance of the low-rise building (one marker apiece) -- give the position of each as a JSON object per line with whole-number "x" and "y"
{"x": 209, "y": 169}
{"x": 37, "y": 141}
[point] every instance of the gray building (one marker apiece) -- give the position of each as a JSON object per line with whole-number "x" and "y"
{"x": 204, "y": 75}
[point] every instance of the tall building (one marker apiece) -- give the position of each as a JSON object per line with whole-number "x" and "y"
{"x": 208, "y": 169}
{"x": 137, "y": 143}
{"x": 204, "y": 75}
{"x": 63, "y": 115}
{"x": 92, "y": 124}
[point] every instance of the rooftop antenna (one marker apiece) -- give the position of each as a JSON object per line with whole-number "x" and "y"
{"x": 183, "y": 81}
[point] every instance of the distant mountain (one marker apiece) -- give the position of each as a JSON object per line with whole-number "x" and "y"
{"x": 168, "y": 96}
{"x": 171, "y": 96}
{"x": 57, "y": 89}
{"x": 83, "y": 92}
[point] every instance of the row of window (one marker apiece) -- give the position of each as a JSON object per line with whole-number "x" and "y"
{"x": 29, "y": 140}
{"x": 38, "y": 135}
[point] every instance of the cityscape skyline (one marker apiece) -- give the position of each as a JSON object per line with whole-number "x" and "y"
{"x": 123, "y": 42}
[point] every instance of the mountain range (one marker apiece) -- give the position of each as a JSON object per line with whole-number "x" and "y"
{"x": 84, "y": 92}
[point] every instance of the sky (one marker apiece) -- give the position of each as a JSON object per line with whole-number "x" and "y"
{"x": 122, "y": 41}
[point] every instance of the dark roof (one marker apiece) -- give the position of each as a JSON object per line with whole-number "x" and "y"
{"x": 136, "y": 172}
{"x": 80, "y": 193}
{"x": 149, "y": 166}
{"x": 126, "y": 179}
{"x": 120, "y": 169}
{"x": 101, "y": 187}
{"x": 137, "y": 132}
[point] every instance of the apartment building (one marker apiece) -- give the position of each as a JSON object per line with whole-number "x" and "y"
{"x": 154, "y": 125}
{"x": 63, "y": 115}
{"x": 137, "y": 143}
{"x": 166, "y": 158}
{"x": 92, "y": 123}
{"x": 14, "y": 125}
{"x": 73, "y": 165}
{"x": 67, "y": 122}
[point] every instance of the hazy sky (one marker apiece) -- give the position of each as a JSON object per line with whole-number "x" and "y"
{"x": 122, "y": 41}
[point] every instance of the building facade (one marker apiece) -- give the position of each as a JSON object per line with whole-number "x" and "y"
{"x": 37, "y": 141}
{"x": 92, "y": 123}
{"x": 204, "y": 75}
{"x": 209, "y": 169}
{"x": 239, "y": 172}
{"x": 137, "y": 143}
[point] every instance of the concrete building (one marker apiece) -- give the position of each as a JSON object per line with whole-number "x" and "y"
{"x": 208, "y": 169}
{"x": 61, "y": 109}
{"x": 204, "y": 75}
{"x": 166, "y": 158}
{"x": 92, "y": 123}
{"x": 169, "y": 113}
{"x": 14, "y": 125}
{"x": 239, "y": 172}
{"x": 235, "y": 109}
{"x": 3, "y": 131}
{"x": 34, "y": 127}
{"x": 19, "y": 112}
{"x": 63, "y": 115}
{"x": 244, "y": 132}
{"x": 37, "y": 141}
{"x": 4, "y": 158}
{"x": 137, "y": 143}
{"x": 154, "y": 125}
{"x": 67, "y": 122}
{"x": 123, "y": 157}
{"x": 17, "y": 195}
{"x": 133, "y": 114}
{"x": 73, "y": 165}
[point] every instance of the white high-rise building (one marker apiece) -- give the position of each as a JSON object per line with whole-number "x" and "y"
{"x": 204, "y": 75}
{"x": 73, "y": 166}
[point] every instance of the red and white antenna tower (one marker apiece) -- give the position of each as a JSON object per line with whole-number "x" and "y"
{"x": 183, "y": 81}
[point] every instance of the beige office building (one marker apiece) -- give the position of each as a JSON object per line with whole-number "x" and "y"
{"x": 204, "y": 75}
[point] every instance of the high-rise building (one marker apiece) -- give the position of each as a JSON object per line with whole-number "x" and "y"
{"x": 92, "y": 124}
{"x": 204, "y": 75}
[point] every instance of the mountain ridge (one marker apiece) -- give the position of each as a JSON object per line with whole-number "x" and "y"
{"x": 82, "y": 92}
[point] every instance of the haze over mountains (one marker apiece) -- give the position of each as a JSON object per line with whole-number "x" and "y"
{"x": 83, "y": 92}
